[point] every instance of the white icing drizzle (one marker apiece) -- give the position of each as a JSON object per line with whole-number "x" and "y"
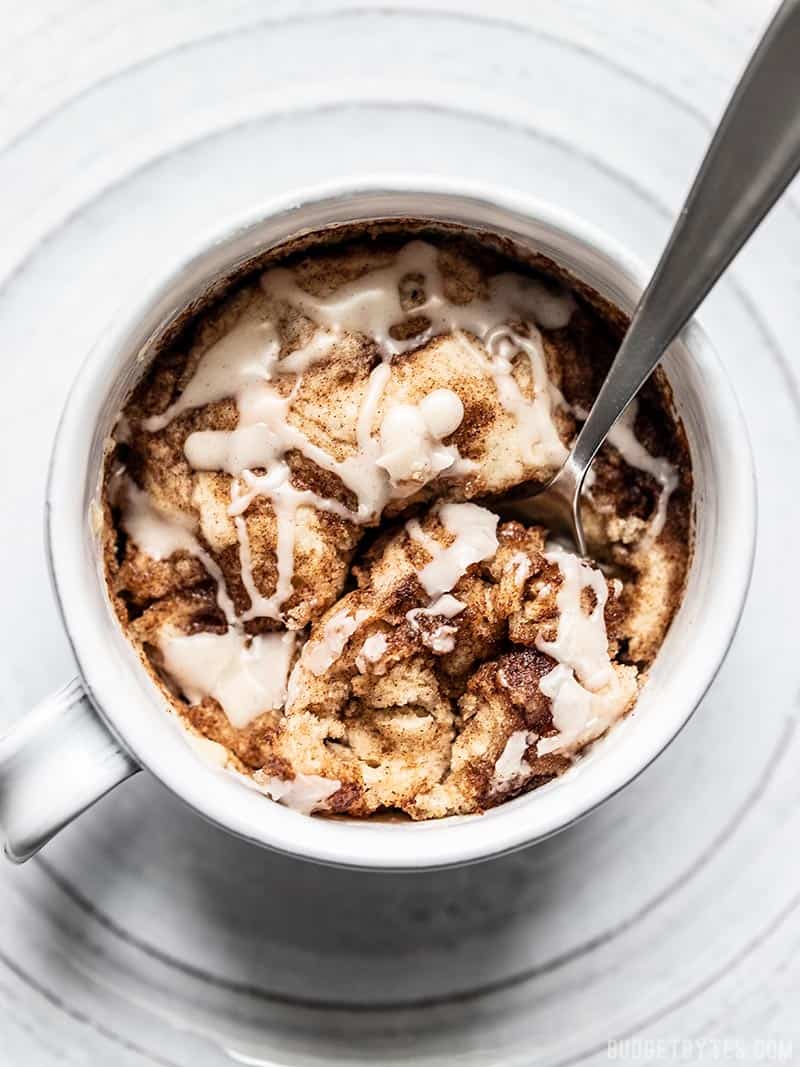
{"x": 360, "y": 473}
{"x": 322, "y": 651}
{"x": 317, "y": 349}
{"x": 305, "y": 793}
{"x": 446, "y": 605}
{"x": 371, "y": 304}
{"x": 371, "y": 653}
{"x": 536, "y": 432}
{"x": 245, "y": 678}
{"x": 261, "y": 440}
{"x": 579, "y": 715}
{"x": 585, "y": 691}
{"x": 520, "y": 566}
{"x": 266, "y": 484}
{"x": 475, "y": 530}
{"x": 247, "y": 353}
{"x": 443, "y": 637}
{"x": 624, "y": 439}
{"x": 511, "y": 765}
{"x": 230, "y": 450}
{"x": 285, "y": 508}
{"x": 159, "y": 535}
{"x": 416, "y": 533}
{"x": 154, "y": 532}
{"x": 581, "y": 642}
{"x": 412, "y": 452}
{"x": 264, "y": 435}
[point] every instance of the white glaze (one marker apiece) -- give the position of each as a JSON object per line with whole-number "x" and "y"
{"x": 231, "y": 450}
{"x": 261, "y": 440}
{"x": 159, "y": 536}
{"x": 371, "y": 304}
{"x": 445, "y": 605}
{"x": 285, "y": 506}
{"x": 245, "y": 678}
{"x": 411, "y": 440}
{"x": 511, "y": 765}
{"x": 581, "y": 642}
{"x": 624, "y": 439}
{"x": 537, "y": 436}
{"x": 440, "y": 640}
{"x": 416, "y": 533}
{"x": 443, "y": 637}
{"x": 475, "y": 531}
{"x": 442, "y": 412}
{"x": 264, "y": 435}
{"x": 585, "y": 691}
{"x": 305, "y": 793}
{"x": 247, "y": 353}
{"x": 579, "y": 714}
{"x": 371, "y": 653}
{"x": 360, "y": 472}
{"x": 153, "y": 532}
{"x": 520, "y": 566}
{"x": 324, "y": 649}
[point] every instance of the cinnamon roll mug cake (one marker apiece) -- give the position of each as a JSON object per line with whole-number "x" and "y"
{"x": 276, "y": 527}
{"x": 300, "y": 541}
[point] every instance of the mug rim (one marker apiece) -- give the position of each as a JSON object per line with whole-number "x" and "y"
{"x": 437, "y": 843}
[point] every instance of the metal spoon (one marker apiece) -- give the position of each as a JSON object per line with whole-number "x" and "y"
{"x": 754, "y": 155}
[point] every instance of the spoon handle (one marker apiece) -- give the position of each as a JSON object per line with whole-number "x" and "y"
{"x": 754, "y": 155}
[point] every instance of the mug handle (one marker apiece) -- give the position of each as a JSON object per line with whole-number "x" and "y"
{"x": 54, "y": 764}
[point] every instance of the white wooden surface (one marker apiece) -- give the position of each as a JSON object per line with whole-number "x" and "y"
{"x": 143, "y": 936}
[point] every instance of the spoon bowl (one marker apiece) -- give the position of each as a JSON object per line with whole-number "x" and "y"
{"x": 556, "y": 505}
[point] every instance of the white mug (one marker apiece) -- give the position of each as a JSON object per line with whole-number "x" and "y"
{"x": 111, "y": 721}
